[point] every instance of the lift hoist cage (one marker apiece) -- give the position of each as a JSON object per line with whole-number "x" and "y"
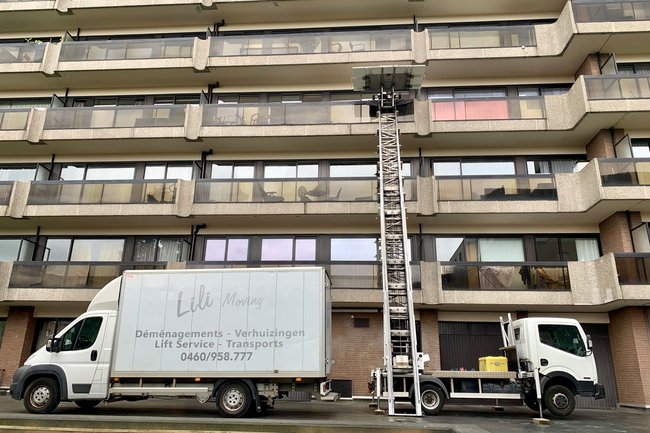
{"x": 400, "y": 341}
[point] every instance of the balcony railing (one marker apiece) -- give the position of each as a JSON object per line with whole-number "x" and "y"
{"x": 481, "y": 37}
{"x": 452, "y": 188}
{"x": 504, "y": 276}
{"x": 617, "y": 87}
{"x": 292, "y": 190}
{"x": 101, "y": 192}
{"x": 27, "y": 52}
{"x": 306, "y": 113}
{"x": 625, "y": 171}
{"x": 311, "y": 43}
{"x": 72, "y": 275}
{"x": 633, "y": 268}
{"x": 13, "y": 119}
{"x": 135, "y": 49}
{"x": 343, "y": 275}
{"x": 488, "y": 109}
{"x": 587, "y": 11}
{"x": 136, "y": 116}
{"x": 5, "y": 192}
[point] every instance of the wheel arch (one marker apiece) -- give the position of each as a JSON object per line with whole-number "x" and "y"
{"x": 559, "y": 378}
{"x": 424, "y": 379}
{"x": 38, "y": 371}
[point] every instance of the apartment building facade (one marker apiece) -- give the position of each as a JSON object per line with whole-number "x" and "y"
{"x": 202, "y": 133}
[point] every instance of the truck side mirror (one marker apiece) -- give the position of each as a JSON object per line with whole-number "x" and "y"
{"x": 590, "y": 345}
{"x": 53, "y": 345}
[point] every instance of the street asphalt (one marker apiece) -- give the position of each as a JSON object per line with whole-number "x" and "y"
{"x": 308, "y": 417}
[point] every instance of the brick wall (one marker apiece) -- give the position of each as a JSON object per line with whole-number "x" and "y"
{"x": 16, "y": 342}
{"x": 356, "y": 350}
{"x": 430, "y": 335}
{"x": 602, "y": 145}
{"x": 615, "y": 233}
{"x": 629, "y": 334}
{"x": 589, "y": 66}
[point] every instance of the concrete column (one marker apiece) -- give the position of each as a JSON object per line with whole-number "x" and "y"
{"x": 419, "y": 46}
{"x": 16, "y": 342}
{"x": 629, "y": 332}
{"x": 184, "y": 197}
{"x": 51, "y": 58}
{"x": 422, "y": 115}
{"x": 193, "y": 122}
{"x": 62, "y": 6}
{"x": 35, "y": 124}
{"x": 427, "y": 195}
{"x": 200, "y": 54}
{"x": 18, "y": 199}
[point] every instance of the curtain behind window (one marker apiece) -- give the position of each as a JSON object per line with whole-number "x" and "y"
{"x": 500, "y": 250}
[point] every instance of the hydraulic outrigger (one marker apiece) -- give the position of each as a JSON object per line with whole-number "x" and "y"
{"x": 400, "y": 341}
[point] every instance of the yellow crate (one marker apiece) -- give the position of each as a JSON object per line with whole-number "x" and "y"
{"x": 493, "y": 363}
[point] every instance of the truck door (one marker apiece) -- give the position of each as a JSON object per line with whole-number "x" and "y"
{"x": 81, "y": 345}
{"x": 563, "y": 348}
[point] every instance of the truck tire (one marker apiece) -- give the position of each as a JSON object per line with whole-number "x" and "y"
{"x": 42, "y": 395}
{"x": 233, "y": 399}
{"x": 87, "y": 404}
{"x": 432, "y": 398}
{"x": 559, "y": 400}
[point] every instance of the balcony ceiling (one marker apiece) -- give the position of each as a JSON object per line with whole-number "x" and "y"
{"x": 295, "y": 13}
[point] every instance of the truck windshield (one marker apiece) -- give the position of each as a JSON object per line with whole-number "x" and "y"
{"x": 563, "y": 337}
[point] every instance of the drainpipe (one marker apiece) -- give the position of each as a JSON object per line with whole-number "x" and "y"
{"x": 195, "y": 231}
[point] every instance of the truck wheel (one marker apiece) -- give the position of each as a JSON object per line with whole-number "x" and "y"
{"x": 233, "y": 399}
{"x": 530, "y": 400}
{"x": 432, "y": 398}
{"x": 42, "y": 396}
{"x": 559, "y": 400}
{"x": 87, "y": 404}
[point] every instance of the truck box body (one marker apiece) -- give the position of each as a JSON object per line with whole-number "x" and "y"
{"x": 256, "y": 323}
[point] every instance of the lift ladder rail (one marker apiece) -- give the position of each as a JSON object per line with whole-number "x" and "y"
{"x": 400, "y": 341}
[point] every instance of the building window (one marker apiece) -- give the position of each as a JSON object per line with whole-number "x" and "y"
{"x": 86, "y": 250}
{"x": 16, "y": 249}
{"x": 161, "y": 250}
{"x": 226, "y": 250}
{"x": 473, "y": 168}
{"x": 288, "y": 249}
{"x": 566, "y": 249}
{"x": 290, "y": 171}
{"x": 168, "y": 171}
{"x": 232, "y": 171}
{"x": 89, "y": 172}
{"x": 552, "y": 166}
{"x": 46, "y": 328}
{"x": 461, "y": 249}
{"x": 354, "y": 249}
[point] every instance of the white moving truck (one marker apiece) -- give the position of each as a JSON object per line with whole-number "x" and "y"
{"x": 242, "y": 337}
{"x": 549, "y": 360}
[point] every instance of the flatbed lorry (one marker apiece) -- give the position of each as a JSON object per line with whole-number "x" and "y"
{"x": 240, "y": 337}
{"x": 549, "y": 362}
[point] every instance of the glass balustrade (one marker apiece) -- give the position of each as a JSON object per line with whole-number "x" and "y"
{"x": 343, "y": 275}
{"x": 311, "y": 43}
{"x": 625, "y": 171}
{"x": 13, "y": 119}
{"x": 587, "y": 11}
{"x": 488, "y": 109}
{"x": 306, "y": 113}
{"x": 617, "y": 87}
{"x": 504, "y": 276}
{"x": 453, "y": 188}
{"x": 135, "y": 49}
{"x": 71, "y": 275}
{"x": 27, "y": 52}
{"x": 98, "y": 192}
{"x": 633, "y": 268}
{"x": 132, "y": 116}
{"x": 481, "y": 37}
{"x": 293, "y": 190}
